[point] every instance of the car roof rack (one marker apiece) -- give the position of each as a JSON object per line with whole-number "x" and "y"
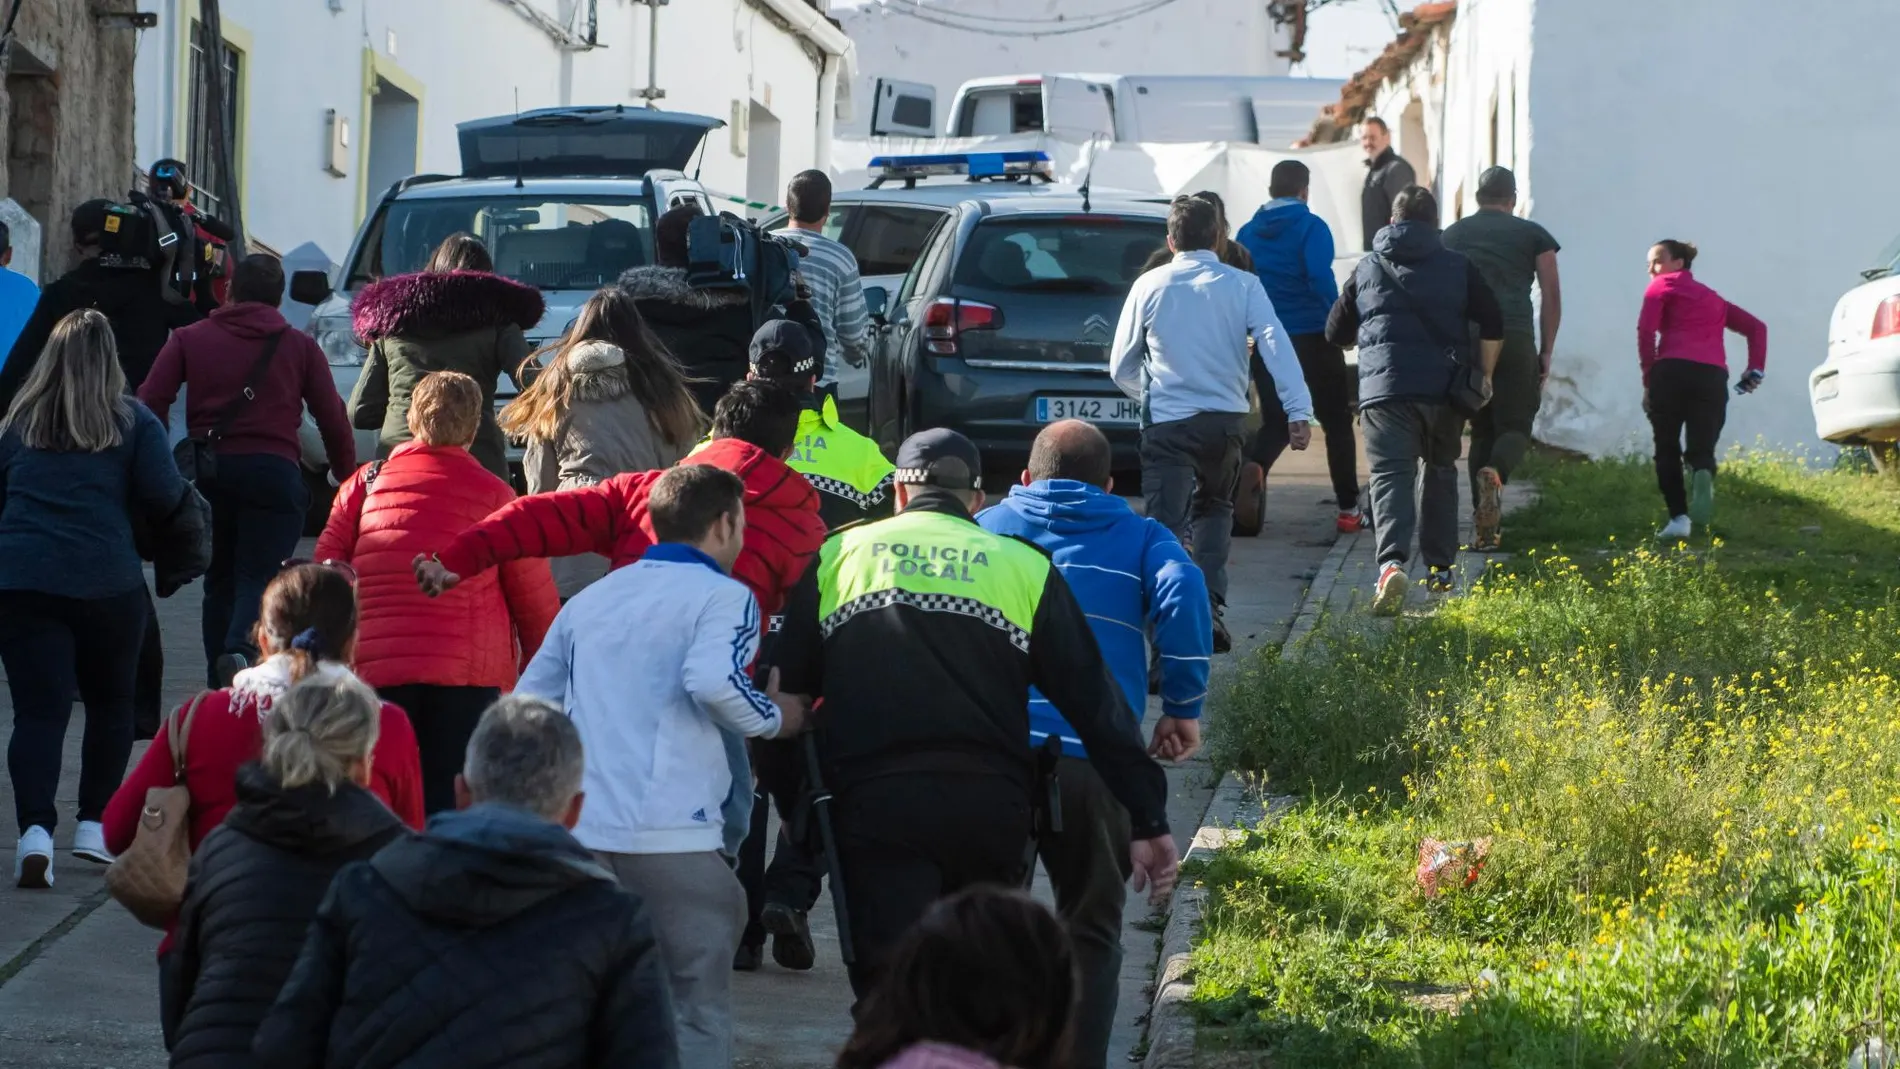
{"x": 1026, "y": 166}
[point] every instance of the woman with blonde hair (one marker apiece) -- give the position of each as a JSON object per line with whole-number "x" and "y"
{"x": 302, "y": 813}
{"x": 77, "y": 457}
{"x": 455, "y": 315}
{"x": 609, "y": 399}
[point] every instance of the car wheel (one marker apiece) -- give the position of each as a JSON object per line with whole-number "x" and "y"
{"x": 1250, "y": 501}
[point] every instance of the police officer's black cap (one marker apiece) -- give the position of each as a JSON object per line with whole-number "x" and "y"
{"x": 783, "y": 349}
{"x": 939, "y": 457}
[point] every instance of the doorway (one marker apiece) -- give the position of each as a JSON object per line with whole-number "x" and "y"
{"x": 395, "y": 131}
{"x": 761, "y": 157}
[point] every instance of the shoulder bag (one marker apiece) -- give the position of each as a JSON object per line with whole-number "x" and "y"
{"x": 197, "y": 458}
{"x": 1470, "y": 391}
{"x": 149, "y": 878}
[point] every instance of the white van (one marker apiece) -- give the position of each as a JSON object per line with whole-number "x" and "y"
{"x": 1129, "y": 108}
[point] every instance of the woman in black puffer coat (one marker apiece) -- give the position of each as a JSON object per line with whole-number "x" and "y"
{"x": 256, "y": 881}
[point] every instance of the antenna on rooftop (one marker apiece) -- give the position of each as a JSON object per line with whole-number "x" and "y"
{"x": 518, "y": 182}
{"x": 1088, "y": 174}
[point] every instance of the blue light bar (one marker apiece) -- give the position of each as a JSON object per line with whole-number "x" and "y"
{"x": 974, "y": 164}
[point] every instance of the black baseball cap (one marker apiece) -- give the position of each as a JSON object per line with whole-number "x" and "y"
{"x": 782, "y": 349}
{"x": 1497, "y": 183}
{"x": 939, "y": 457}
{"x": 89, "y": 221}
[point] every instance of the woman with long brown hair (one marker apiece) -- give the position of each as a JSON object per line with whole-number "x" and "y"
{"x": 77, "y": 458}
{"x": 454, "y": 315}
{"x": 609, "y": 399}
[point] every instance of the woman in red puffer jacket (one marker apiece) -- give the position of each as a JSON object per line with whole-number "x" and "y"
{"x": 446, "y": 659}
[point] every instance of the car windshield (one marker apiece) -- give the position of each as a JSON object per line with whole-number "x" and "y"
{"x": 551, "y": 243}
{"x": 1069, "y": 254}
{"x": 1887, "y": 263}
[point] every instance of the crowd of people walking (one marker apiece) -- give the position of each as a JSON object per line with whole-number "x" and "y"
{"x": 487, "y": 779}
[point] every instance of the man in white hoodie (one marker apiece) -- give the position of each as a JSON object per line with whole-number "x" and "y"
{"x": 651, "y": 662}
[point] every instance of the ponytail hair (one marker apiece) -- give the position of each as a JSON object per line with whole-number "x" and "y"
{"x": 319, "y": 730}
{"x": 308, "y": 612}
{"x": 1679, "y": 250}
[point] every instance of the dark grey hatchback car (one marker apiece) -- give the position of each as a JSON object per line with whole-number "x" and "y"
{"x": 1004, "y": 324}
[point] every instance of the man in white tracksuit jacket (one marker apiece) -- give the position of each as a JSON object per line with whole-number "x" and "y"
{"x": 650, "y": 662}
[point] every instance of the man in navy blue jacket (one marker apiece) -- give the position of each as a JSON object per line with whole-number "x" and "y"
{"x": 1128, "y": 573}
{"x": 1292, "y": 252}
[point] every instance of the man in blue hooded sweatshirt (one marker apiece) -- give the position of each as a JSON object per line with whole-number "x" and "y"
{"x": 1292, "y": 252}
{"x": 1128, "y": 573}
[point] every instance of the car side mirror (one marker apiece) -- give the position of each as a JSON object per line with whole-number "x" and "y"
{"x": 877, "y": 301}
{"x": 310, "y": 287}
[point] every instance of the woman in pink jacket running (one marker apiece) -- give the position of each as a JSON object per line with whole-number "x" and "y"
{"x": 1679, "y": 339}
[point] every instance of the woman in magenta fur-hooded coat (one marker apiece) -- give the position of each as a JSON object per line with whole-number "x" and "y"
{"x": 455, "y": 315}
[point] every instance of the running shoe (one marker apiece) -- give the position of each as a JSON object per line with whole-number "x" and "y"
{"x": 1389, "y": 597}
{"x": 1678, "y": 529}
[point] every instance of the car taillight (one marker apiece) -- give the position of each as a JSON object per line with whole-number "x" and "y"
{"x": 1887, "y": 317}
{"x": 948, "y": 317}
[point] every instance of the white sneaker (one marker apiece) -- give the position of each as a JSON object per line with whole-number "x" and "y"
{"x": 1678, "y": 530}
{"x": 33, "y": 858}
{"x": 89, "y": 842}
{"x": 1389, "y": 598}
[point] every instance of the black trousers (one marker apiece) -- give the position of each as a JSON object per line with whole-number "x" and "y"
{"x": 444, "y": 718}
{"x": 54, "y": 649}
{"x": 1501, "y": 431}
{"x": 1088, "y": 867}
{"x": 1329, "y": 380}
{"x": 905, "y": 841}
{"x": 148, "y": 693}
{"x": 1689, "y": 400}
{"x": 796, "y": 874}
{"x": 257, "y": 512}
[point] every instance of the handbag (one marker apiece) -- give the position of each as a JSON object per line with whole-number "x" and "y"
{"x": 149, "y": 878}
{"x": 1470, "y": 390}
{"x": 197, "y": 458}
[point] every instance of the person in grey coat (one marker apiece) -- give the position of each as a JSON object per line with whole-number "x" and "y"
{"x": 610, "y": 399}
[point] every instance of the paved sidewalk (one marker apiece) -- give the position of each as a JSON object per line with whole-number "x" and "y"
{"x": 78, "y": 980}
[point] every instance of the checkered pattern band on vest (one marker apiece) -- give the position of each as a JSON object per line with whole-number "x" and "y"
{"x": 883, "y": 599}
{"x": 825, "y": 484}
{"x": 916, "y": 476}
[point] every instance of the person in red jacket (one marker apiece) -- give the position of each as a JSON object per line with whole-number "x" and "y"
{"x": 444, "y": 660}
{"x": 753, "y": 428}
{"x": 308, "y": 629}
{"x": 257, "y": 495}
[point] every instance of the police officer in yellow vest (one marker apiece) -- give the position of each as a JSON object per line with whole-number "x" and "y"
{"x": 851, "y": 476}
{"x": 853, "y": 481}
{"x": 923, "y": 634}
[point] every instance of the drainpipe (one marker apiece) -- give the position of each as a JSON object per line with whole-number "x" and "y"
{"x": 827, "y": 111}
{"x": 653, "y": 94}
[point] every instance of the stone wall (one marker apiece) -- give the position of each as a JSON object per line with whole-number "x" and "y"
{"x": 66, "y": 115}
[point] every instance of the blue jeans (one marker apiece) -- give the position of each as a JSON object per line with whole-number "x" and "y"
{"x": 257, "y": 512}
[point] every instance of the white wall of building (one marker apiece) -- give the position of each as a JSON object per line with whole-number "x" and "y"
{"x": 1185, "y": 37}
{"x": 1741, "y": 125}
{"x": 468, "y": 59}
{"x": 1757, "y": 130}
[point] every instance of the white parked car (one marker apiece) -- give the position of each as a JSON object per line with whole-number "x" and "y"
{"x": 1855, "y": 393}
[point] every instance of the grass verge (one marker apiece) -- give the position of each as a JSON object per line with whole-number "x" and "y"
{"x": 1686, "y": 763}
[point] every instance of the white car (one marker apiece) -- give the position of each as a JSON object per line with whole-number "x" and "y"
{"x": 1855, "y": 393}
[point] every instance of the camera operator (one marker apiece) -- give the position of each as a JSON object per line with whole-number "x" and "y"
{"x": 140, "y": 315}
{"x": 200, "y": 270}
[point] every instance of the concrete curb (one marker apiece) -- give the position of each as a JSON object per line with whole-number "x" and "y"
{"x": 1231, "y": 813}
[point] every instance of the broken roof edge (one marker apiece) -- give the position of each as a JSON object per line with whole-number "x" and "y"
{"x": 1416, "y": 28}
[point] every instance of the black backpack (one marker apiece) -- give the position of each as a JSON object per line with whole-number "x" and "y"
{"x": 145, "y": 235}
{"x": 726, "y": 252}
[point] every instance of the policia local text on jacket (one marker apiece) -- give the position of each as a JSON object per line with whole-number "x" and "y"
{"x": 923, "y": 633}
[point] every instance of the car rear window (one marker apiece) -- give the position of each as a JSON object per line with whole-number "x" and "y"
{"x": 889, "y": 238}
{"x": 1080, "y": 253}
